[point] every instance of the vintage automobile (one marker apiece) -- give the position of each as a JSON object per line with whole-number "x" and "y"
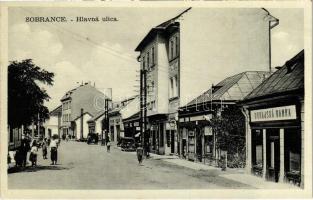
{"x": 128, "y": 144}
{"x": 92, "y": 138}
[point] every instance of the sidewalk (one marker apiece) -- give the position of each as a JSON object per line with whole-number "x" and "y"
{"x": 233, "y": 174}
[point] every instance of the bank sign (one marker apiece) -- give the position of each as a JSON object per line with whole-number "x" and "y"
{"x": 274, "y": 114}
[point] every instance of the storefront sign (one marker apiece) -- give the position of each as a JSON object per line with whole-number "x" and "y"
{"x": 273, "y": 114}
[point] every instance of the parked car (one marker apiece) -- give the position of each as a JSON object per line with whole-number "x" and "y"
{"x": 92, "y": 138}
{"x": 128, "y": 144}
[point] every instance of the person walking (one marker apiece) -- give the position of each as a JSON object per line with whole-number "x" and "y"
{"x": 44, "y": 149}
{"x": 33, "y": 154}
{"x": 139, "y": 152}
{"x": 24, "y": 148}
{"x": 108, "y": 146}
{"x": 54, "y": 151}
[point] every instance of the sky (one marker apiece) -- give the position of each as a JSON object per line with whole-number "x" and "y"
{"x": 103, "y": 53}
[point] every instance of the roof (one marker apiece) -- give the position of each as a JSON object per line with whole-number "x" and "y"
{"x": 114, "y": 110}
{"x": 157, "y": 28}
{"x": 97, "y": 116}
{"x": 56, "y": 111}
{"x": 83, "y": 115}
{"x": 135, "y": 116}
{"x": 289, "y": 78}
{"x": 232, "y": 88}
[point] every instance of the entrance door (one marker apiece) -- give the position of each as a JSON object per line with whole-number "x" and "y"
{"x": 172, "y": 141}
{"x": 273, "y": 154}
{"x": 199, "y": 145}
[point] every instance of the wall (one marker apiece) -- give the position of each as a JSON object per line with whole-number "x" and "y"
{"x": 86, "y": 117}
{"x": 162, "y": 76}
{"x": 216, "y": 43}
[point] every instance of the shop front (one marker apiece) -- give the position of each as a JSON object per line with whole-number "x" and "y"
{"x": 276, "y": 143}
{"x": 274, "y": 114}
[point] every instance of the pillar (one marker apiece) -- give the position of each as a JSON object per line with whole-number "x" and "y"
{"x": 264, "y": 154}
{"x": 282, "y": 155}
{"x": 248, "y": 141}
{"x": 302, "y": 144}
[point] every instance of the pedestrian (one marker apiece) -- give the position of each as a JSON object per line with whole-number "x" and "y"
{"x": 54, "y": 151}
{"x": 139, "y": 154}
{"x": 33, "y": 154}
{"x": 66, "y": 138}
{"x": 24, "y": 148}
{"x": 108, "y": 146}
{"x": 44, "y": 149}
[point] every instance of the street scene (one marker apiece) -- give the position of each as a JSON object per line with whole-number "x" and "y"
{"x": 195, "y": 98}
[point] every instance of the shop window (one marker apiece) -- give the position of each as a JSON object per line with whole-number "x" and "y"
{"x": 257, "y": 148}
{"x": 294, "y": 162}
{"x": 259, "y": 155}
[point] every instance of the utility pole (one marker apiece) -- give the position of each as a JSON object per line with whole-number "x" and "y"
{"x": 143, "y": 108}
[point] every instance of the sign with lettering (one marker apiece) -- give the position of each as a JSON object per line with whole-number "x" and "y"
{"x": 274, "y": 114}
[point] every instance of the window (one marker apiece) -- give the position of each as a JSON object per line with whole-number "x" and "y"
{"x": 148, "y": 59}
{"x": 171, "y": 87}
{"x": 153, "y": 56}
{"x": 172, "y": 49}
{"x": 143, "y": 62}
{"x": 176, "y": 46}
{"x": 175, "y": 86}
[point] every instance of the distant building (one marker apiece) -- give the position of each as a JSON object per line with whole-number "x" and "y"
{"x": 116, "y": 128}
{"x": 52, "y": 126}
{"x": 75, "y": 104}
{"x": 275, "y": 125}
{"x": 194, "y": 46}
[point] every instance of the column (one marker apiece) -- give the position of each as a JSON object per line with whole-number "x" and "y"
{"x": 282, "y": 155}
{"x": 302, "y": 144}
{"x": 264, "y": 154}
{"x": 248, "y": 142}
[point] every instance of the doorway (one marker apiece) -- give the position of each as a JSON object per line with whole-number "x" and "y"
{"x": 172, "y": 141}
{"x": 199, "y": 144}
{"x": 273, "y": 154}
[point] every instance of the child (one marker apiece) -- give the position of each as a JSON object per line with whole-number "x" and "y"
{"x": 33, "y": 154}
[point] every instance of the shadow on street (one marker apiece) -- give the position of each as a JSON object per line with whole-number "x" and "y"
{"x": 35, "y": 169}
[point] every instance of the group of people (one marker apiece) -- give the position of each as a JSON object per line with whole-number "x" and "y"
{"x": 33, "y": 146}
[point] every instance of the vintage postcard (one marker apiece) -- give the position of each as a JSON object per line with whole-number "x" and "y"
{"x": 156, "y": 100}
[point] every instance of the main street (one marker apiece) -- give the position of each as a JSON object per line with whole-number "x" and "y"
{"x": 83, "y": 166}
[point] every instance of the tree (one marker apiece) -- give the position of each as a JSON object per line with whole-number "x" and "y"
{"x": 229, "y": 129}
{"x": 25, "y": 97}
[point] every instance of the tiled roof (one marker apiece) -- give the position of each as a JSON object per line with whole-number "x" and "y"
{"x": 283, "y": 80}
{"x": 232, "y": 88}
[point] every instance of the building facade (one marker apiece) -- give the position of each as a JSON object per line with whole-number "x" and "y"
{"x": 82, "y": 99}
{"x": 197, "y": 138}
{"x": 275, "y": 125}
{"x": 178, "y": 53}
{"x": 52, "y": 126}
